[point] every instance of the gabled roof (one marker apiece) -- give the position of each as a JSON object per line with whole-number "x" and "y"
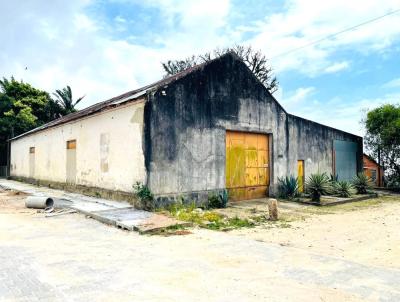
{"x": 372, "y": 159}
{"x": 116, "y": 101}
{"x": 138, "y": 94}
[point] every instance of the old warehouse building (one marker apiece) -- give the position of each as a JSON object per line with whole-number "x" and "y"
{"x": 208, "y": 128}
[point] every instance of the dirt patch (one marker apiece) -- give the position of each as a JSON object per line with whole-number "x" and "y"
{"x": 366, "y": 231}
{"x": 13, "y": 202}
{"x": 347, "y": 254}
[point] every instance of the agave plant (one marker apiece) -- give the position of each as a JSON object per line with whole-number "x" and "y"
{"x": 343, "y": 188}
{"x": 362, "y": 183}
{"x": 318, "y": 184}
{"x": 224, "y": 197}
{"x": 334, "y": 178}
{"x": 288, "y": 187}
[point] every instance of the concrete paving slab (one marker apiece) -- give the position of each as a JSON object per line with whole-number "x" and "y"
{"x": 116, "y": 213}
{"x": 83, "y": 206}
{"x": 114, "y": 216}
{"x": 110, "y": 203}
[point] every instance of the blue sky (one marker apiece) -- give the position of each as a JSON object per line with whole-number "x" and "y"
{"x": 105, "y": 48}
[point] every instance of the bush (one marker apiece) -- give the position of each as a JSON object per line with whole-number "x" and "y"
{"x": 144, "y": 195}
{"x": 317, "y": 185}
{"x": 218, "y": 201}
{"x": 334, "y": 178}
{"x": 362, "y": 183}
{"x": 288, "y": 187}
{"x": 224, "y": 197}
{"x": 393, "y": 183}
{"x": 343, "y": 188}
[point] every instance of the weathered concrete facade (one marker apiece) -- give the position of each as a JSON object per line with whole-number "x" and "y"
{"x": 172, "y": 136}
{"x": 186, "y": 124}
{"x": 105, "y": 144}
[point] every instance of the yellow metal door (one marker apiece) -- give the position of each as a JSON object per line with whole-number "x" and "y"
{"x": 247, "y": 165}
{"x": 300, "y": 175}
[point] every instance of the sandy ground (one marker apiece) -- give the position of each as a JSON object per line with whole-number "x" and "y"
{"x": 346, "y": 255}
{"x": 368, "y": 232}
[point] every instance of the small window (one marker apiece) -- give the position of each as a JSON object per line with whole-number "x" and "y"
{"x": 71, "y": 144}
{"x": 32, "y": 150}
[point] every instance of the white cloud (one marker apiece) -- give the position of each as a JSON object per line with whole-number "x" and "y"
{"x": 305, "y": 21}
{"x": 61, "y": 45}
{"x": 336, "y": 67}
{"x": 301, "y": 94}
{"x": 119, "y": 19}
{"x": 392, "y": 84}
{"x": 82, "y": 22}
{"x": 342, "y": 114}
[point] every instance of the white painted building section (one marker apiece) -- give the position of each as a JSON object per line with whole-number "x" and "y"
{"x": 108, "y": 150}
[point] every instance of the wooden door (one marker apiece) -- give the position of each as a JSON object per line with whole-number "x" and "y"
{"x": 247, "y": 165}
{"x": 300, "y": 175}
{"x": 71, "y": 161}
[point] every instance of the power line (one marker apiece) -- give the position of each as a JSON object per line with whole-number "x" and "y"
{"x": 336, "y": 34}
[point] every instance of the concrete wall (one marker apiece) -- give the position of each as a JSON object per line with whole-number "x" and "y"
{"x": 175, "y": 141}
{"x": 313, "y": 143}
{"x": 186, "y": 122}
{"x": 109, "y": 151}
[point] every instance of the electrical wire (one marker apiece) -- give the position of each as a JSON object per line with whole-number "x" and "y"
{"x": 336, "y": 34}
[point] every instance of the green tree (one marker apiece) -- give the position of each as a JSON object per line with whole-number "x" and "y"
{"x": 65, "y": 100}
{"x": 383, "y": 138}
{"x": 254, "y": 59}
{"x": 22, "y": 108}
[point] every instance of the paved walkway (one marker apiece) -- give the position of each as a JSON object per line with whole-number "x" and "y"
{"x": 70, "y": 258}
{"x": 118, "y": 213}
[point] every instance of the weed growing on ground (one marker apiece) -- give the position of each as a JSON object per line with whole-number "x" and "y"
{"x": 218, "y": 201}
{"x": 172, "y": 230}
{"x": 144, "y": 195}
{"x": 206, "y": 218}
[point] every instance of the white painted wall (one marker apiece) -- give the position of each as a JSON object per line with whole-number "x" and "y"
{"x": 111, "y": 138}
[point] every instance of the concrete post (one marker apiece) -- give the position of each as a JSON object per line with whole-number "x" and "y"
{"x": 273, "y": 209}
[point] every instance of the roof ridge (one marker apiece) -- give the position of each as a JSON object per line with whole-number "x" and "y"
{"x": 130, "y": 95}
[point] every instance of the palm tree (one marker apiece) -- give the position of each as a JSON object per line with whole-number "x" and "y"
{"x": 64, "y": 99}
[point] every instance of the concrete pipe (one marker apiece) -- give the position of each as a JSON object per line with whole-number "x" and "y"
{"x": 39, "y": 202}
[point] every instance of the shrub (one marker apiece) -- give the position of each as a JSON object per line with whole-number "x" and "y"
{"x": 218, "y": 201}
{"x": 144, "y": 195}
{"x": 317, "y": 185}
{"x": 334, "y": 178}
{"x": 343, "y": 188}
{"x": 288, "y": 187}
{"x": 362, "y": 183}
{"x": 393, "y": 183}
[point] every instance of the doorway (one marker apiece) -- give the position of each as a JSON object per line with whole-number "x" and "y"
{"x": 247, "y": 165}
{"x": 71, "y": 161}
{"x": 300, "y": 175}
